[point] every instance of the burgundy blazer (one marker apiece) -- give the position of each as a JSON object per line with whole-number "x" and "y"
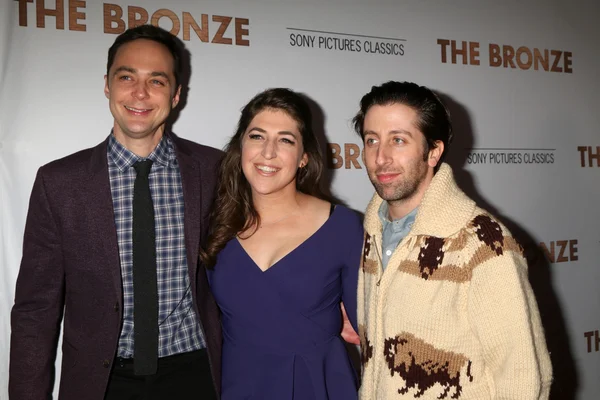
{"x": 71, "y": 264}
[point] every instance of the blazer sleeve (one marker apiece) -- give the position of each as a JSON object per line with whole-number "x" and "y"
{"x": 505, "y": 317}
{"x": 39, "y": 301}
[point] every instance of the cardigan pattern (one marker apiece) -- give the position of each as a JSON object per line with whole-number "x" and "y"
{"x": 453, "y": 314}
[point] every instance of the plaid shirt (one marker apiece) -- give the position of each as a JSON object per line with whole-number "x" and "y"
{"x": 179, "y": 330}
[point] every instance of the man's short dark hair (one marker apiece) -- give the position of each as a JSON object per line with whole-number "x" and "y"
{"x": 433, "y": 117}
{"x": 156, "y": 34}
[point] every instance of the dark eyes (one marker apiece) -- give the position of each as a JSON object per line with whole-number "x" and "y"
{"x": 256, "y": 136}
{"x": 156, "y": 82}
{"x": 396, "y": 140}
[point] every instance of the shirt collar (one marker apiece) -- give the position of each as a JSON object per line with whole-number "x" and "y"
{"x": 398, "y": 225}
{"x": 163, "y": 154}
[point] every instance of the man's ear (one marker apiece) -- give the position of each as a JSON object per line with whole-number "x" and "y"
{"x": 106, "y": 89}
{"x": 435, "y": 154}
{"x": 175, "y": 99}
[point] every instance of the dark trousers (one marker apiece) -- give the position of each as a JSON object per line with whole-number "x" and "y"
{"x": 182, "y": 376}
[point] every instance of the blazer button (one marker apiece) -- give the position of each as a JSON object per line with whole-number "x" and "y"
{"x": 106, "y": 363}
{"x": 116, "y": 307}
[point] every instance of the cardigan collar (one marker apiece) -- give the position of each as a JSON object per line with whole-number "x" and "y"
{"x": 444, "y": 210}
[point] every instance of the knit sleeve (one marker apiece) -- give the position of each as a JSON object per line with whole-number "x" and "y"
{"x": 504, "y": 316}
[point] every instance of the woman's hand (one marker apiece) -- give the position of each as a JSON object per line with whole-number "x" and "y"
{"x": 348, "y": 333}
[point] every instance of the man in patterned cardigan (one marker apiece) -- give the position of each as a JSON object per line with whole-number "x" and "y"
{"x": 445, "y": 309}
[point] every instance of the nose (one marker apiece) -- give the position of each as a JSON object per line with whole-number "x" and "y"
{"x": 269, "y": 149}
{"x": 383, "y": 155}
{"x": 140, "y": 91}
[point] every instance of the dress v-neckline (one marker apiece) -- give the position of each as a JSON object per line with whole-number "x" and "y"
{"x": 289, "y": 253}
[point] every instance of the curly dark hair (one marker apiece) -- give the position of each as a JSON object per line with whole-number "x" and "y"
{"x": 233, "y": 210}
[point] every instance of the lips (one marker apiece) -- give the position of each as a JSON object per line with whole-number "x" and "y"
{"x": 138, "y": 111}
{"x": 387, "y": 177}
{"x": 266, "y": 169}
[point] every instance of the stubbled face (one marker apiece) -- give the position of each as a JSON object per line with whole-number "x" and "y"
{"x": 141, "y": 89}
{"x": 272, "y": 152}
{"x": 394, "y": 152}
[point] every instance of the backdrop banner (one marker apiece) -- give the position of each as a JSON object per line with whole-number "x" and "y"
{"x": 520, "y": 79}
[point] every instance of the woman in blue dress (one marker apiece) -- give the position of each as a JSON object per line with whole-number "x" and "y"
{"x": 281, "y": 259}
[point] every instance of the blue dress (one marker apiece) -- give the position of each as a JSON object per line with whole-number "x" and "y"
{"x": 281, "y": 327}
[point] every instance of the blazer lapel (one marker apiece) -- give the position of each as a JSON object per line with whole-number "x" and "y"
{"x": 100, "y": 200}
{"x": 192, "y": 197}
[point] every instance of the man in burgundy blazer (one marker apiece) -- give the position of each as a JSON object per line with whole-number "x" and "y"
{"x": 71, "y": 262}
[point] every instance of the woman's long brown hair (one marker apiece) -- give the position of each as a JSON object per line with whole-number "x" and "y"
{"x": 233, "y": 210}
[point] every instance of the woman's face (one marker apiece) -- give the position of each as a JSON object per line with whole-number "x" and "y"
{"x": 272, "y": 152}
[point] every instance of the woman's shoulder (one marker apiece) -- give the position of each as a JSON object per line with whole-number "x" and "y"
{"x": 338, "y": 212}
{"x": 347, "y": 219}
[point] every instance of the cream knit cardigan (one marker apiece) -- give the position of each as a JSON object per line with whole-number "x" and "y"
{"x": 453, "y": 315}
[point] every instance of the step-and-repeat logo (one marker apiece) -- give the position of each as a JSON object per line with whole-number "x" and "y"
{"x": 589, "y": 156}
{"x": 592, "y": 339}
{"x": 346, "y": 41}
{"x": 218, "y": 29}
{"x": 560, "y": 251}
{"x": 344, "y": 155}
{"x": 516, "y": 155}
{"x": 506, "y": 56}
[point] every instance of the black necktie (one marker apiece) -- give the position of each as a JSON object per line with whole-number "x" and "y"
{"x": 145, "y": 291}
